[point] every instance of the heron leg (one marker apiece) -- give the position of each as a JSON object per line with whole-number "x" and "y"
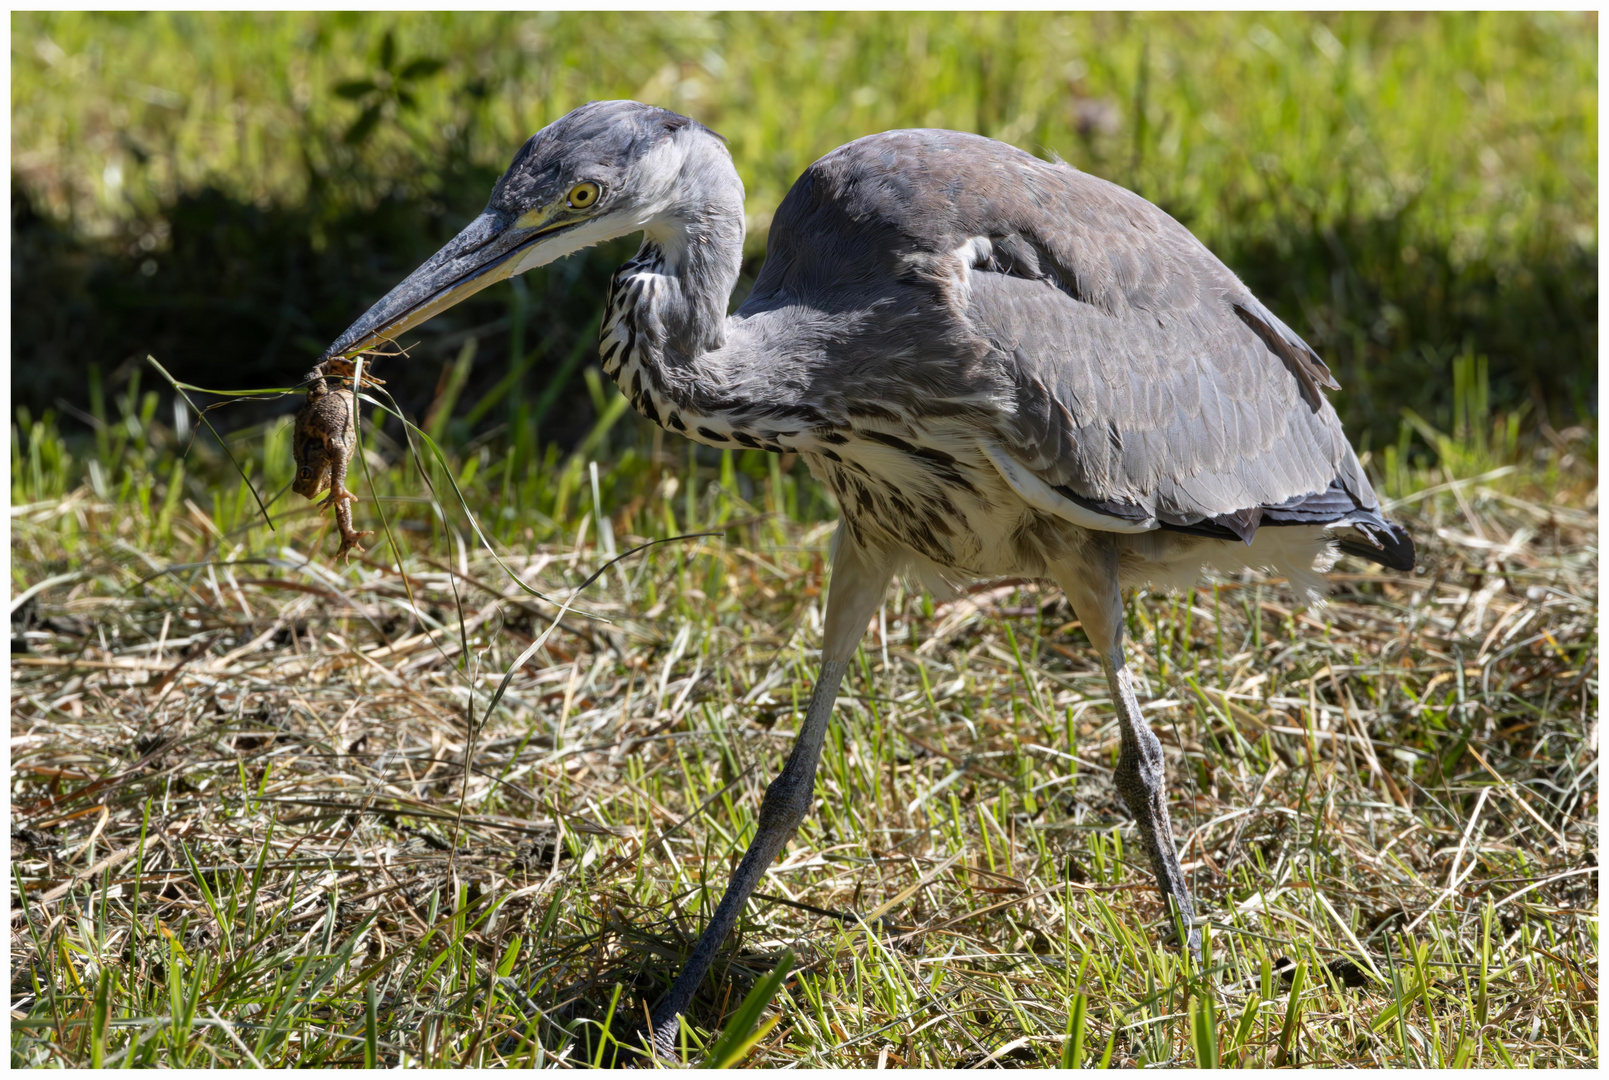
{"x": 856, "y": 590}
{"x": 1140, "y": 777}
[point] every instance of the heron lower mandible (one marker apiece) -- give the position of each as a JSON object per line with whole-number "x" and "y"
{"x": 999, "y": 365}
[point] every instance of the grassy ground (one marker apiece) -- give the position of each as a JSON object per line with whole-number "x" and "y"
{"x": 244, "y": 833}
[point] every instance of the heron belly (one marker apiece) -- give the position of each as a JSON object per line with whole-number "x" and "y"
{"x": 951, "y": 516}
{"x": 937, "y": 504}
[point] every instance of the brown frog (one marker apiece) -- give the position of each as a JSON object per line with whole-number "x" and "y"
{"x": 323, "y": 442}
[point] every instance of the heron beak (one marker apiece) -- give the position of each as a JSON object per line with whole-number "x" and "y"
{"x": 491, "y": 248}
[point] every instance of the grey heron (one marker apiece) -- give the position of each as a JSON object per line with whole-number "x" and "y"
{"x": 999, "y": 365}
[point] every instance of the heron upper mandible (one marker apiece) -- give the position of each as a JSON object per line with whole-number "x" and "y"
{"x": 1000, "y": 366}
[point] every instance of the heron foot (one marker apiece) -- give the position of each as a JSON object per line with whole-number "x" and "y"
{"x": 663, "y": 1043}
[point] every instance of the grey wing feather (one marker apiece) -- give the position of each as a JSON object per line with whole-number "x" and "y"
{"x": 1145, "y": 374}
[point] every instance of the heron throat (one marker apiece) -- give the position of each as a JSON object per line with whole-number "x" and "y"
{"x": 665, "y": 323}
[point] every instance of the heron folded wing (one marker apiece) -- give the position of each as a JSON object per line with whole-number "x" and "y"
{"x": 1125, "y": 377}
{"x": 1158, "y": 383}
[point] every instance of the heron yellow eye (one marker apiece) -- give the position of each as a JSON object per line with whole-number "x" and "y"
{"x": 584, "y": 195}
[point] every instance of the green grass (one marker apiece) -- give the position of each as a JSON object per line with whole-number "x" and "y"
{"x": 247, "y": 836}
{"x": 1363, "y": 112}
{"x": 1402, "y": 189}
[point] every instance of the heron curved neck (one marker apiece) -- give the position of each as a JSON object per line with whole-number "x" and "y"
{"x": 666, "y": 314}
{"x": 695, "y": 256}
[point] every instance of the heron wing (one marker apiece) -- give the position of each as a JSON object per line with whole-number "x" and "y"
{"x": 1118, "y": 364}
{"x": 1145, "y": 380}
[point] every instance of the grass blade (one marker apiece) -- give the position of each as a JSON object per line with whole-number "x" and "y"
{"x": 371, "y": 1029}
{"x": 202, "y": 415}
{"x": 1111, "y": 1044}
{"x": 1072, "y": 1052}
{"x": 1293, "y": 1012}
{"x": 744, "y": 1029}
{"x": 1204, "y": 1031}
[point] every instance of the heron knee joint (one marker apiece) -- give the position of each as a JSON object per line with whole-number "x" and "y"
{"x": 1141, "y": 762}
{"x": 786, "y": 803}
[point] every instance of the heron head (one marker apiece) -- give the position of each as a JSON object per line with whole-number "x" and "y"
{"x": 607, "y": 169}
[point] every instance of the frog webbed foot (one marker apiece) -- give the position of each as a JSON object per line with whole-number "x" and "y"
{"x": 349, "y": 543}
{"x": 343, "y": 518}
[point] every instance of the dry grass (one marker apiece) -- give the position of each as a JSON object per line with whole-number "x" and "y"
{"x": 243, "y": 832}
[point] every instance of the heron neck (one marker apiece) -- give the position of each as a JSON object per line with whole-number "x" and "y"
{"x": 666, "y": 316}
{"x": 695, "y": 250}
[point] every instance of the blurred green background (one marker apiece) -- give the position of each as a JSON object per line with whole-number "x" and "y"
{"x": 1415, "y": 194}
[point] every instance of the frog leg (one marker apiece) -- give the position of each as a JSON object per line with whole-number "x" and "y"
{"x": 342, "y": 500}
